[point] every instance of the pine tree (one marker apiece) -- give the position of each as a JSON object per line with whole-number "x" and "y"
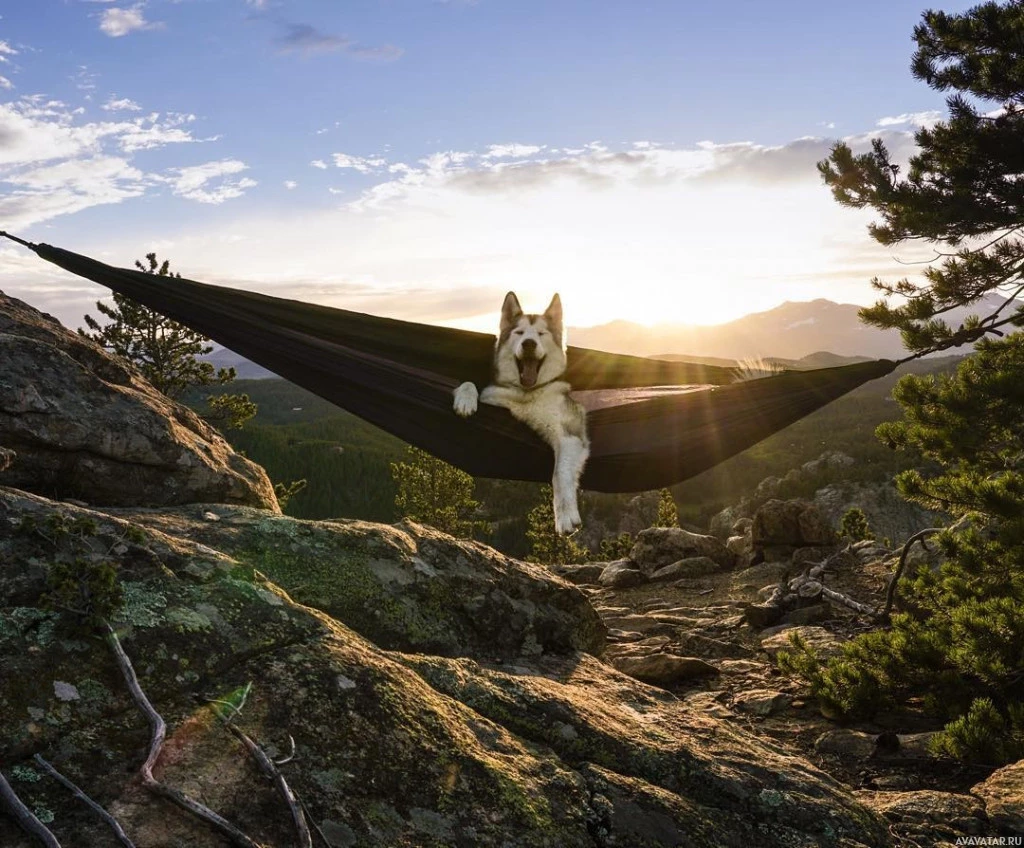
{"x": 433, "y": 492}
{"x": 854, "y": 525}
{"x": 546, "y": 545}
{"x": 166, "y": 352}
{"x": 962, "y": 191}
{"x": 668, "y": 512}
{"x": 958, "y": 643}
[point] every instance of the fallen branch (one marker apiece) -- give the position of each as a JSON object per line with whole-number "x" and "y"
{"x": 113, "y": 823}
{"x": 890, "y": 592}
{"x": 273, "y": 773}
{"x": 23, "y": 816}
{"x": 158, "y": 732}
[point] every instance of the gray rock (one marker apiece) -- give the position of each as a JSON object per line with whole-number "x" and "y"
{"x": 657, "y": 547}
{"x": 406, "y": 586}
{"x": 7, "y": 457}
{"x": 846, "y": 743}
{"x": 808, "y": 615}
{"x": 621, "y": 574}
{"x": 794, "y": 524}
{"x": 819, "y": 639}
{"x": 586, "y": 574}
{"x": 664, "y": 670}
{"x": 762, "y": 702}
{"x": 1003, "y": 794}
{"x": 699, "y": 566}
{"x": 86, "y": 425}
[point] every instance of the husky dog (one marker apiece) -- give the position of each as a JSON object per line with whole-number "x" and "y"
{"x": 529, "y": 359}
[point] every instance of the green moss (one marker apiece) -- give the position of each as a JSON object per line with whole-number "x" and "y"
{"x": 186, "y": 620}
{"x": 142, "y": 606}
{"x": 26, "y": 774}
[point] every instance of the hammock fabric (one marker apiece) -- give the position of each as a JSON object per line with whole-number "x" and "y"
{"x": 652, "y": 423}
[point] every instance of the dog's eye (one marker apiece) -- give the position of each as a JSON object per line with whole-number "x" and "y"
{"x": 542, "y": 332}
{"x": 518, "y": 332}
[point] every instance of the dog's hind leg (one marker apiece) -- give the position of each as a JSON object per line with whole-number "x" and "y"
{"x": 571, "y": 454}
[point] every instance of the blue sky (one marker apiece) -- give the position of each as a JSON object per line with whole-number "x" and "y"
{"x": 651, "y": 160}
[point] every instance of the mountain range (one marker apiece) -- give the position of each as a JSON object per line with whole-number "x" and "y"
{"x": 808, "y": 334}
{"x": 793, "y": 330}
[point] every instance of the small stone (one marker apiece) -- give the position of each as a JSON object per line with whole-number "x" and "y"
{"x": 210, "y": 516}
{"x": 763, "y": 702}
{"x": 846, "y": 743}
{"x": 65, "y": 691}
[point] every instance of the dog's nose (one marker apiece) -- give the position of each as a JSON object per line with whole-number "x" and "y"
{"x": 530, "y": 346}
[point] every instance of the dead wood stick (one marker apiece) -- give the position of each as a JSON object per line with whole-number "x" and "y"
{"x": 267, "y": 766}
{"x": 113, "y": 823}
{"x": 890, "y": 592}
{"x": 158, "y": 730}
{"x": 23, "y": 816}
{"x": 846, "y": 601}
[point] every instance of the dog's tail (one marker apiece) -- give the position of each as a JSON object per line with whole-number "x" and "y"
{"x": 755, "y": 368}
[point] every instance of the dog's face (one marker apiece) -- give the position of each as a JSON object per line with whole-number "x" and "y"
{"x": 531, "y": 348}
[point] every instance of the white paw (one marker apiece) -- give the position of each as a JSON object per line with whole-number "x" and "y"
{"x": 466, "y": 397}
{"x": 567, "y": 515}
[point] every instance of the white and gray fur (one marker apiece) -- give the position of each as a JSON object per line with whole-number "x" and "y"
{"x": 529, "y": 359}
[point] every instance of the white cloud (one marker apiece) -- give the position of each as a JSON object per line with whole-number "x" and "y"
{"x": 6, "y": 51}
{"x": 290, "y": 184}
{"x": 191, "y": 182}
{"x": 123, "y": 104}
{"x": 510, "y": 151}
{"x": 363, "y": 165}
{"x": 52, "y": 190}
{"x": 6, "y": 83}
{"x": 119, "y": 22}
{"x": 33, "y": 129}
{"x": 919, "y": 119}
{"x": 319, "y": 163}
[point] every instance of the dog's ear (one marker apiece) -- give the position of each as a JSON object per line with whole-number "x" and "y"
{"x": 553, "y": 314}
{"x": 510, "y": 310}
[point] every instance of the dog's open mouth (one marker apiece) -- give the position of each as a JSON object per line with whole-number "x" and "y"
{"x": 529, "y": 368}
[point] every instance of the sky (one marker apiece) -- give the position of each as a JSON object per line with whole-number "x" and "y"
{"x": 650, "y": 161}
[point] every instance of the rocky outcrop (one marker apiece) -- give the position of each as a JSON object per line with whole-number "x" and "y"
{"x": 889, "y": 515}
{"x": 391, "y": 747}
{"x": 85, "y": 425}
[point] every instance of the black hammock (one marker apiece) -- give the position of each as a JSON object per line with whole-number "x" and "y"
{"x": 652, "y": 423}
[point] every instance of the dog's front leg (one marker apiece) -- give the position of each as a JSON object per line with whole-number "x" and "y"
{"x": 500, "y": 396}
{"x": 571, "y": 454}
{"x": 465, "y": 399}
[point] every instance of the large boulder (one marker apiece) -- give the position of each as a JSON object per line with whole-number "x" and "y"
{"x": 656, "y": 547}
{"x": 391, "y": 748}
{"x": 86, "y": 425}
{"x": 790, "y": 525}
{"x": 1003, "y": 794}
{"x": 407, "y": 587}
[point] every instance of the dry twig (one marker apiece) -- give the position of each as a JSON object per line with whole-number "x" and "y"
{"x": 114, "y": 824}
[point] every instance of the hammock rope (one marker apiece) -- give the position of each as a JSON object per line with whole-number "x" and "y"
{"x": 652, "y": 423}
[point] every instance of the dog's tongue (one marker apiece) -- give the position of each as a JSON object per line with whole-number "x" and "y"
{"x": 528, "y": 369}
